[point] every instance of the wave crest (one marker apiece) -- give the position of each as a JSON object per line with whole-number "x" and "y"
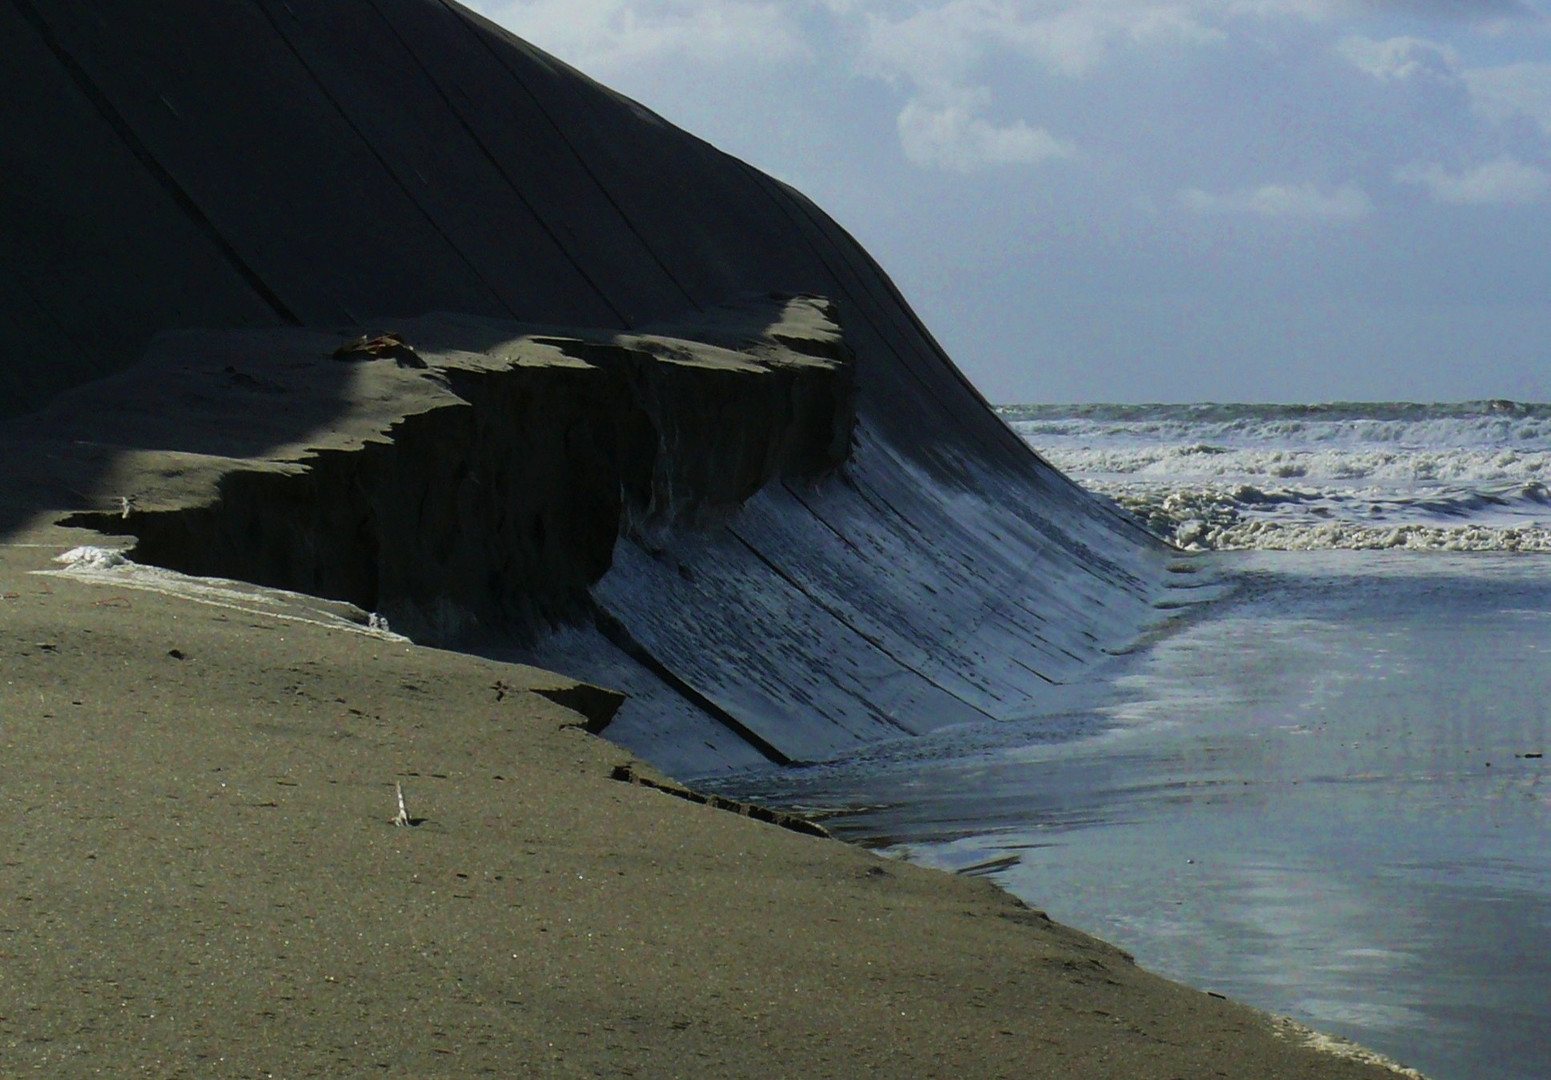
{"x": 1462, "y": 477}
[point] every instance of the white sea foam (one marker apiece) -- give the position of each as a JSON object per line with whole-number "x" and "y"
{"x": 106, "y": 566}
{"x": 1468, "y": 477}
{"x": 91, "y": 558}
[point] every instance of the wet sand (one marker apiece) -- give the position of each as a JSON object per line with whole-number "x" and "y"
{"x": 200, "y": 877}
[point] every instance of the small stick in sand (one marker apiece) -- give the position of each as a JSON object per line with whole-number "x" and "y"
{"x": 403, "y": 814}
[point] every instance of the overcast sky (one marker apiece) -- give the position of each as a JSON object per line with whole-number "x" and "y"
{"x": 1115, "y": 200}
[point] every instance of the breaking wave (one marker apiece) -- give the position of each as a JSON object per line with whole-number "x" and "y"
{"x": 1473, "y": 476}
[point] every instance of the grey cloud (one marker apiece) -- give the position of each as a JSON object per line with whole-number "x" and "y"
{"x": 1503, "y": 182}
{"x": 1463, "y": 10}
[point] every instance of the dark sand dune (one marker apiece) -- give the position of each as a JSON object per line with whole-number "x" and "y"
{"x": 352, "y": 164}
{"x": 627, "y": 437}
{"x": 241, "y": 164}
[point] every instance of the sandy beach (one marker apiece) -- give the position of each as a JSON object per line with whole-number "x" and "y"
{"x": 201, "y": 878}
{"x": 379, "y": 302}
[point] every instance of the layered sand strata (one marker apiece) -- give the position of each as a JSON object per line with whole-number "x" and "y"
{"x": 268, "y": 166}
{"x": 201, "y": 874}
{"x": 201, "y": 878}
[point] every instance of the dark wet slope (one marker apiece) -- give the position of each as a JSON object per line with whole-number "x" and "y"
{"x": 241, "y": 163}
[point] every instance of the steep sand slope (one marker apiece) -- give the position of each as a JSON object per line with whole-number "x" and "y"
{"x": 200, "y": 879}
{"x": 251, "y": 163}
{"x": 198, "y": 875}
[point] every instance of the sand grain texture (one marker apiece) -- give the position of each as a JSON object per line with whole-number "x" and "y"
{"x": 200, "y": 879}
{"x": 198, "y": 874}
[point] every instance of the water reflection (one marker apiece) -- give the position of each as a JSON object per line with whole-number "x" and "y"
{"x": 1322, "y": 800}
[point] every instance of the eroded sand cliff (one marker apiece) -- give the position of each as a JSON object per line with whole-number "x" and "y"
{"x": 344, "y": 169}
{"x": 784, "y": 527}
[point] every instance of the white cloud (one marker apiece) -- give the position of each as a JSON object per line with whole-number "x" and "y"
{"x": 1493, "y": 16}
{"x": 1503, "y": 93}
{"x": 951, "y": 136}
{"x": 1299, "y": 201}
{"x": 941, "y": 53}
{"x": 1076, "y": 40}
{"x": 934, "y": 46}
{"x": 603, "y": 36}
{"x": 944, "y": 43}
{"x": 1399, "y": 59}
{"x": 1500, "y": 94}
{"x": 1312, "y": 10}
{"x": 1505, "y": 181}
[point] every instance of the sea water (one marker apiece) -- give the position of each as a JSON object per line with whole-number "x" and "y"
{"x": 1468, "y": 477}
{"x": 1321, "y": 788}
